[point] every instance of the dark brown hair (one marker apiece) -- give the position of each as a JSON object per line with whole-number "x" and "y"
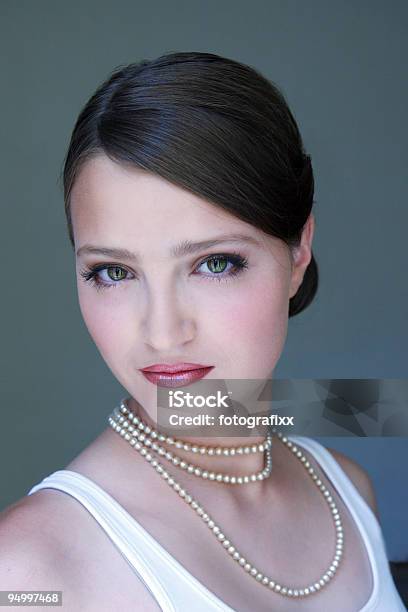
{"x": 213, "y": 126}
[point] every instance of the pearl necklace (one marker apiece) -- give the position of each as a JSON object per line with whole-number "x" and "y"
{"x": 202, "y": 450}
{"x": 147, "y": 439}
{"x": 118, "y": 424}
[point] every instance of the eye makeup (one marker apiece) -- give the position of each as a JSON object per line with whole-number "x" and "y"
{"x": 91, "y": 274}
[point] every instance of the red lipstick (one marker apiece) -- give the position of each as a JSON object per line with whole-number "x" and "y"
{"x": 175, "y": 375}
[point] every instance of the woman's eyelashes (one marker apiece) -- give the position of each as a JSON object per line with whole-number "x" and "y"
{"x": 218, "y": 265}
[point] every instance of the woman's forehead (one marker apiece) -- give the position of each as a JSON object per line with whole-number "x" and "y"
{"x": 109, "y": 198}
{"x": 102, "y": 182}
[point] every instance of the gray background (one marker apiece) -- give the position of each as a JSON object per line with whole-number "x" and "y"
{"x": 342, "y": 67}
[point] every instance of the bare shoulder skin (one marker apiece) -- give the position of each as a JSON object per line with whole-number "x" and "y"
{"x": 41, "y": 548}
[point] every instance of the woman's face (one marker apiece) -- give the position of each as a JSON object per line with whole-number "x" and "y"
{"x": 160, "y": 307}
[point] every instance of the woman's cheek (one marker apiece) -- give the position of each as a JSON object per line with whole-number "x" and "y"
{"x": 106, "y": 325}
{"x": 256, "y": 330}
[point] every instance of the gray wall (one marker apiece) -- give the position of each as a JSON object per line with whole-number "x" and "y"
{"x": 341, "y": 66}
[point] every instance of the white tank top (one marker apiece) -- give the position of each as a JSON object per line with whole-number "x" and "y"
{"x": 173, "y": 587}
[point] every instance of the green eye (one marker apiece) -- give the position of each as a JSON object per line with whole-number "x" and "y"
{"x": 116, "y": 273}
{"x": 217, "y": 267}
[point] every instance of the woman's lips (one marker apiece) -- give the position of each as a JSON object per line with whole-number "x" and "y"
{"x": 176, "y": 379}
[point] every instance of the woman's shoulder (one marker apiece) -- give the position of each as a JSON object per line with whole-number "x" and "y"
{"x": 31, "y": 553}
{"x": 24, "y": 518}
{"x": 41, "y": 547}
{"x": 359, "y": 477}
{"x": 49, "y": 541}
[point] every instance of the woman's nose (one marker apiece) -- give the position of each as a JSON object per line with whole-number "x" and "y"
{"x": 169, "y": 321}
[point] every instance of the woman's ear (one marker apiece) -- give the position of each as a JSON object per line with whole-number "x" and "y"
{"x": 301, "y": 255}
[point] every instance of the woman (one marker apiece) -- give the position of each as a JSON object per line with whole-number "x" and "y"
{"x": 189, "y": 205}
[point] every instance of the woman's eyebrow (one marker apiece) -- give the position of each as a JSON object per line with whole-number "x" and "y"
{"x": 186, "y": 247}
